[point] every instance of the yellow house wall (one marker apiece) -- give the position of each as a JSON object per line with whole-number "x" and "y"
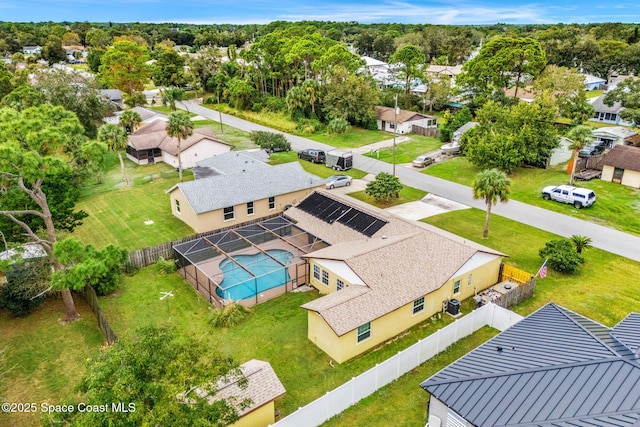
{"x": 321, "y": 287}
{"x": 388, "y": 326}
{"x": 214, "y": 220}
{"x": 261, "y": 417}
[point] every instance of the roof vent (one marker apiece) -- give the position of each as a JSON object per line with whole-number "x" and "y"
{"x": 384, "y": 237}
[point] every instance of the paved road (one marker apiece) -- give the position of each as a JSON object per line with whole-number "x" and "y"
{"x": 606, "y": 238}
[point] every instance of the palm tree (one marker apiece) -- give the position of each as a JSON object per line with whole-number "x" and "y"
{"x": 580, "y": 135}
{"x": 491, "y": 185}
{"x": 116, "y": 139}
{"x": 130, "y": 120}
{"x": 581, "y": 242}
{"x": 170, "y": 95}
{"x": 179, "y": 126}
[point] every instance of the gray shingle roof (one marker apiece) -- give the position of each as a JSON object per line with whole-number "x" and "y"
{"x": 217, "y": 192}
{"x": 232, "y": 162}
{"x": 553, "y": 368}
{"x": 601, "y": 107}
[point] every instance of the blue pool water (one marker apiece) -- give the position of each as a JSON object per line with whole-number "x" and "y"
{"x": 238, "y": 284}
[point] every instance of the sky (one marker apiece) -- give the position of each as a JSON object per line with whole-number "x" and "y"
{"x": 459, "y": 12}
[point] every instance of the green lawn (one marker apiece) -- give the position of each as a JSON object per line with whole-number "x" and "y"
{"x": 117, "y": 214}
{"x": 317, "y": 169}
{"x": 406, "y": 195}
{"x": 403, "y": 403}
{"x": 618, "y": 206}
{"x": 605, "y": 288}
{"x": 409, "y": 150}
{"x": 354, "y": 137}
{"x": 593, "y": 93}
{"x": 44, "y": 356}
{"x": 275, "y": 332}
{"x": 240, "y": 139}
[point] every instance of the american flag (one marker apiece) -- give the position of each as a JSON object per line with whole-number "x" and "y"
{"x": 542, "y": 273}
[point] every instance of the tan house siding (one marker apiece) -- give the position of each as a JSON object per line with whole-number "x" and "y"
{"x": 630, "y": 178}
{"x": 332, "y": 276}
{"x": 260, "y": 417}
{"x": 390, "y": 325}
{"x": 200, "y": 151}
{"x": 215, "y": 219}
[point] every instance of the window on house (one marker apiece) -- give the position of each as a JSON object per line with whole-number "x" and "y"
{"x": 418, "y": 305}
{"x": 177, "y": 206}
{"x": 228, "y": 213}
{"x": 250, "y": 208}
{"x": 470, "y": 279}
{"x": 316, "y": 272}
{"x": 339, "y": 284}
{"x": 364, "y": 332}
{"x": 325, "y": 277}
{"x": 392, "y": 125}
{"x": 456, "y": 287}
{"x": 272, "y": 203}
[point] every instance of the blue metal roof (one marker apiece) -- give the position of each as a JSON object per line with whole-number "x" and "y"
{"x": 553, "y": 368}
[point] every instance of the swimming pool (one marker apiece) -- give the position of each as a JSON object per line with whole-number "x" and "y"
{"x": 239, "y": 284}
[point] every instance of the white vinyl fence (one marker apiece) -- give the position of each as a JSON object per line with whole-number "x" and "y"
{"x": 348, "y": 394}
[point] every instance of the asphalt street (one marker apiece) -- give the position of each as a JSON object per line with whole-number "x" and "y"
{"x": 603, "y": 237}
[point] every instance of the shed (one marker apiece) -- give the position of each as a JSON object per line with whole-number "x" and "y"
{"x": 622, "y": 165}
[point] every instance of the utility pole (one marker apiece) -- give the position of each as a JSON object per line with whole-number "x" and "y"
{"x": 395, "y": 129}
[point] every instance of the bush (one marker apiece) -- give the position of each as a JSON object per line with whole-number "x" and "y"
{"x": 275, "y": 104}
{"x": 24, "y": 282}
{"x": 308, "y": 126}
{"x": 337, "y": 126}
{"x": 562, "y": 256}
{"x": 231, "y": 315}
{"x": 166, "y": 266}
{"x": 270, "y": 141}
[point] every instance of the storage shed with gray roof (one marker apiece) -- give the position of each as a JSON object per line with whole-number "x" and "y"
{"x": 553, "y": 368}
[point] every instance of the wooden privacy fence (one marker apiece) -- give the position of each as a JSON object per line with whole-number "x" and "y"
{"x": 92, "y": 299}
{"x": 150, "y": 255}
{"x": 526, "y": 285}
{"x": 431, "y": 132}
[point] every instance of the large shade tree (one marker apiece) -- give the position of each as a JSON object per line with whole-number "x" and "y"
{"x": 116, "y": 139}
{"x": 36, "y": 146}
{"x": 491, "y": 185}
{"x": 124, "y": 67}
{"x": 180, "y": 127}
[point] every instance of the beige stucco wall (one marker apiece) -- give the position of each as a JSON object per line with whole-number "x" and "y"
{"x": 214, "y": 220}
{"x": 629, "y": 178}
{"x": 386, "y": 327}
{"x": 260, "y": 417}
{"x": 200, "y": 151}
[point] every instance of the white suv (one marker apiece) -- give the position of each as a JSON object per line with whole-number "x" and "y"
{"x": 578, "y": 197}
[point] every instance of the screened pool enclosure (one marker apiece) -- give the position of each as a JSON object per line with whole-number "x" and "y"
{"x": 249, "y": 264}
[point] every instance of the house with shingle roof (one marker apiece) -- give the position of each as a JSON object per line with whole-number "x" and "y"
{"x": 612, "y": 135}
{"x": 151, "y": 144}
{"x": 622, "y": 165}
{"x": 263, "y": 387}
{"x": 240, "y": 195}
{"x": 608, "y": 114}
{"x": 382, "y": 274}
{"x": 553, "y": 368}
{"x": 403, "y": 121}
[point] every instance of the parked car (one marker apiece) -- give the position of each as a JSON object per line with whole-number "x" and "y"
{"x": 315, "y": 156}
{"x": 422, "y": 161}
{"x": 592, "y": 149}
{"x": 338, "y": 181}
{"x": 578, "y": 197}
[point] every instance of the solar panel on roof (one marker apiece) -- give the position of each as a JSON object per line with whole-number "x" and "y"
{"x": 329, "y": 210}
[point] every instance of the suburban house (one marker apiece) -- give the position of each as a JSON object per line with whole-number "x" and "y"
{"x": 235, "y": 198}
{"x": 562, "y": 153}
{"x": 453, "y": 147}
{"x": 622, "y": 165}
{"x": 403, "y": 121}
{"x": 439, "y": 71}
{"x": 553, "y": 368}
{"x": 114, "y": 96}
{"x": 151, "y": 144}
{"x": 31, "y": 50}
{"x": 612, "y": 135}
{"x": 608, "y": 114}
{"x": 262, "y": 389}
{"x": 592, "y": 82}
{"x": 231, "y": 162}
{"x": 381, "y": 273}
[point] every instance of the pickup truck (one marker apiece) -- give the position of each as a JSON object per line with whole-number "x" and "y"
{"x": 578, "y": 197}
